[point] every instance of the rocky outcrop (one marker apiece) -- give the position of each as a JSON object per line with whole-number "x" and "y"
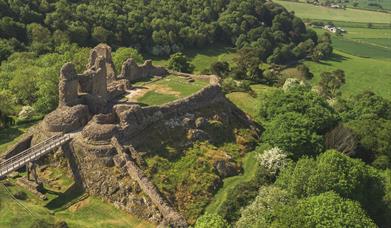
{"x": 133, "y": 72}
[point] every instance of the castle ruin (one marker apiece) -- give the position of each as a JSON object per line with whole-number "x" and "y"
{"x": 108, "y": 133}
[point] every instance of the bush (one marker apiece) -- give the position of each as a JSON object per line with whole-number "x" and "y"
{"x": 272, "y": 160}
{"x": 211, "y": 221}
{"x": 20, "y": 195}
{"x": 325, "y": 210}
{"x": 179, "y": 62}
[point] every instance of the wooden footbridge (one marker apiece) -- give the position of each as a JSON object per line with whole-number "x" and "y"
{"x": 33, "y": 153}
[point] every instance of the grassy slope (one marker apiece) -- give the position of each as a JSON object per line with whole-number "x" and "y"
{"x": 91, "y": 212}
{"x": 250, "y": 105}
{"x": 361, "y": 73}
{"x": 308, "y": 11}
{"x": 10, "y": 136}
{"x": 250, "y": 167}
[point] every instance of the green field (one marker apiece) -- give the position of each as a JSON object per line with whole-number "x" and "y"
{"x": 361, "y": 73}
{"x": 386, "y": 4}
{"x": 168, "y": 89}
{"x": 308, "y": 11}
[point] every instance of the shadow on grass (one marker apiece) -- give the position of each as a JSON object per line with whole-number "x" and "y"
{"x": 338, "y": 58}
{"x": 65, "y": 199}
{"x": 9, "y": 134}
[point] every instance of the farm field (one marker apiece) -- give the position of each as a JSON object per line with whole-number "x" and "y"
{"x": 361, "y": 73}
{"x": 308, "y": 11}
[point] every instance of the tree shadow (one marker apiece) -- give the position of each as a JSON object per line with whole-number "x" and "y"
{"x": 65, "y": 199}
{"x": 338, "y": 58}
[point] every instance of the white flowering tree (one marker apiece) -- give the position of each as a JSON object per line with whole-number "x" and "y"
{"x": 272, "y": 160}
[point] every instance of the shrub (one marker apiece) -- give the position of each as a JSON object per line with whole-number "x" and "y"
{"x": 272, "y": 160}
{"x": 179, "y": 62}
{"x": 211, "y": 221}
{"x": 20, "y": 195}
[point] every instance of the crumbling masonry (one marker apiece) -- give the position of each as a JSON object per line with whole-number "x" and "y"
{"x": 102, "y": 157}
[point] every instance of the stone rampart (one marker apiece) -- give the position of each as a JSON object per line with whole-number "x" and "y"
{"x": 133, "y": 72}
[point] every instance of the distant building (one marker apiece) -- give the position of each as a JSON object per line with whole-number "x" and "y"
{"x": 333, "y": 29}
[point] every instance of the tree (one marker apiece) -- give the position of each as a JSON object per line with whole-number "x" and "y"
{"x": 179, "y": 62}
{"x": 220, "y": 68}
{"x": 100, "y": 34}
{"x": 248, "y": 63}
{"x": 293, "y": 132}
{"x": 330, "y": 83}
{"x": 366, "y": 105}
{"x": 315, "y": 109}
{"x": 262, "y": 210}
{"x": 122, "y": 54}
{"x": 333, "y": 171}
{"x": 211, "y": 221}
{"x": 272, "y": 160}
{"x": 324, "y": 210}
{"x": 304, "y": 72}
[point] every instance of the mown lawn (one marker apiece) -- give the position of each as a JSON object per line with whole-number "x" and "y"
{"x": 308, "y": 11}
{"x": 169, "y": 89}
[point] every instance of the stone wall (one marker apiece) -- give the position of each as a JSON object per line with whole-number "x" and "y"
{"x": 133, "y": 72}
{"x": 101, "y": 177}
{"x": 68, "y": 86}
{"x": 104, "y": 51}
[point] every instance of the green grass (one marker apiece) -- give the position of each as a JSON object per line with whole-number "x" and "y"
{"x": 10, "y": 136}
{"x": 361, "y": 73}
{"x": 251, "y": 105}
{"x": 202, "y": 58}
{"x": 175, "y": 84}
{"x": 386, "y": 4}
{"x": 363, "y": 42}
{"x": 308, "y": 11}
{"x": 93, "y": 212}
{"x": 250, "y": 168}
{"x": 154, "y": 98}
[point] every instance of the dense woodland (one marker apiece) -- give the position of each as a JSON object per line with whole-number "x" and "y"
{"x": 324, "y": 159}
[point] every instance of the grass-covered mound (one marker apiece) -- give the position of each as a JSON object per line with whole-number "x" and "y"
{"x": 164, "y": 90}
{"x": 64, "y": 204}
{"x": 187, "y": 157}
